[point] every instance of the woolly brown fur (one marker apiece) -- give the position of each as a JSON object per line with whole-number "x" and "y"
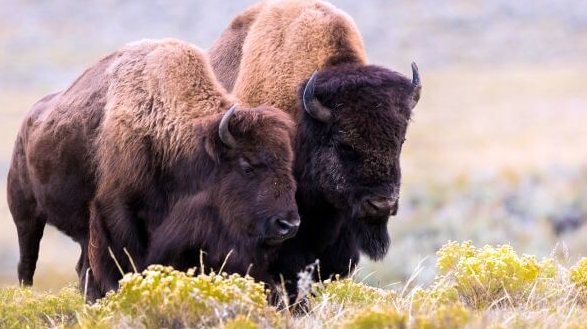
{"x": 133, "y": 148}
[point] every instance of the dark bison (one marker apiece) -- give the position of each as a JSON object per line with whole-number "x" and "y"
{"x": 140, "y": 149}
{"x": 352, "y": 121}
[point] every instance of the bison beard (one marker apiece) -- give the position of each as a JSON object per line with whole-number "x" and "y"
{"x": 373, "y": 239}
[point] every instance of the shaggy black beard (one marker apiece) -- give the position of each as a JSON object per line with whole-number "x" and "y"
{"x": 373, "y": 238}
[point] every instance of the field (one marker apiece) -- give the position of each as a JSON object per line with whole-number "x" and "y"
{"x": 483, "y": 162}
{"x": 495, "y": 155}
{"x": 492, "y": 156}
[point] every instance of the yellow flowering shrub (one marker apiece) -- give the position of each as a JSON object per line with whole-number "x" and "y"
{"x": 484, "y": 275}
{"x": 24, "y": 308}
{"x": 347, "y": 291}
{"x": 487, "y": 287}
{"x": 438, "y": 307}
{"x": 451, "y": 253}
{"x": 377, "y": 318}
{"x": 579, "y": 273}
{"x": 438, "y": 293}
{"x": 442, "y": 316}
{"x": 578, "y": 276}
{"x": 240, "y": 322}
{"x": 163, "y": 297}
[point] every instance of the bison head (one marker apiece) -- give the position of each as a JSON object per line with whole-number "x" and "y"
{"x": 255, "y": 187}
{"x": 352, "y": 128}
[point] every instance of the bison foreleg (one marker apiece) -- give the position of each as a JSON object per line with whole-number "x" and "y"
{"x": 108, "y": 241}
{"x": 178, "y": 232}
{"x": 29, "y": 240}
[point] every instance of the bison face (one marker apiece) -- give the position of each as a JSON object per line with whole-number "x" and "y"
{"x": 354, "y": 126}
{"x": 257, "y": 189}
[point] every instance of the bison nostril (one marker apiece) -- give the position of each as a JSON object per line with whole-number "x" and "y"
{"x": 282, "y": 228}
{"x": 295, "y": 220}
{"x": 285, "y": 224}
{"x": 285, "y": 227}
{"x": 380, "y": 205}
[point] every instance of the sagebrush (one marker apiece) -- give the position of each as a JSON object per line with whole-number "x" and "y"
{"x": 486, "y": 287}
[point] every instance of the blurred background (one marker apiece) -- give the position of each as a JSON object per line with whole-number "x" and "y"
{"x": 496, "y": 151}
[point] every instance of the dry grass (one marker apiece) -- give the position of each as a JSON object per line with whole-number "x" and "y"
{"x": 488, "y": 287}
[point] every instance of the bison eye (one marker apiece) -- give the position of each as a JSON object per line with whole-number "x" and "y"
{"x": 246, "y": 167}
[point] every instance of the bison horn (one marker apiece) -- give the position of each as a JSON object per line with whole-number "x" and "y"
{"x": 312, "y": 105}
{"x": 416, "y": 75}
{"x": 225, "y": 135}
{"x": 416, "y": 82}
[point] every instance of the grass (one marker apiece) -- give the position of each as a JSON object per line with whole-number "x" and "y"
{"x": 23, "y": 308}
{"x": 485, "y": 287}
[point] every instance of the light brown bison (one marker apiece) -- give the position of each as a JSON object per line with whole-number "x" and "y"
{"x": 140, "y": 147}
{"x": 227, "y": 51}
{"x": 352, "y": 121}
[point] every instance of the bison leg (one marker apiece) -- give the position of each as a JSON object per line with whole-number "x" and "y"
{"x": 80, "y": 264}
{"x": 101, "y": 263}
{"x": 87, "y": 283}
{"x": 30, "y": 233}
{"x": 29, "y": 222}
{"x": 113, "y": 234}
{"x": 178, "y": 233}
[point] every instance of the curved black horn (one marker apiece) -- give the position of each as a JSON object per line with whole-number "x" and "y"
{"x": 312, "y": 105}
{"x": 416, "y": 75}
{"x": 225, "y": 135}
{"x": 417, "y": 83}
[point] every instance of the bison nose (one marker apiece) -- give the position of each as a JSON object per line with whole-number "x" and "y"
{"x": 285, "y": 227}
{"x": 379, "y": 206}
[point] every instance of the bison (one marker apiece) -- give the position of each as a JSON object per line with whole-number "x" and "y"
{"x": 138, "y": 161}
{"x": 352, "y": 121}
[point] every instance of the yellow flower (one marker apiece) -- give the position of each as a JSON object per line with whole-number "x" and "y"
{"x": 484, "y": 275}
{"x": 377, "y": 318}
{"x": 579, "y": 273}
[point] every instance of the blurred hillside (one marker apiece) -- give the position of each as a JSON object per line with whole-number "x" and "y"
{"x": 495, "y": 152}
{"x": 48, "y": 43}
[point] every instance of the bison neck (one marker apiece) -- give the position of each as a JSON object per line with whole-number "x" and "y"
{"x": 324, "y": 235}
